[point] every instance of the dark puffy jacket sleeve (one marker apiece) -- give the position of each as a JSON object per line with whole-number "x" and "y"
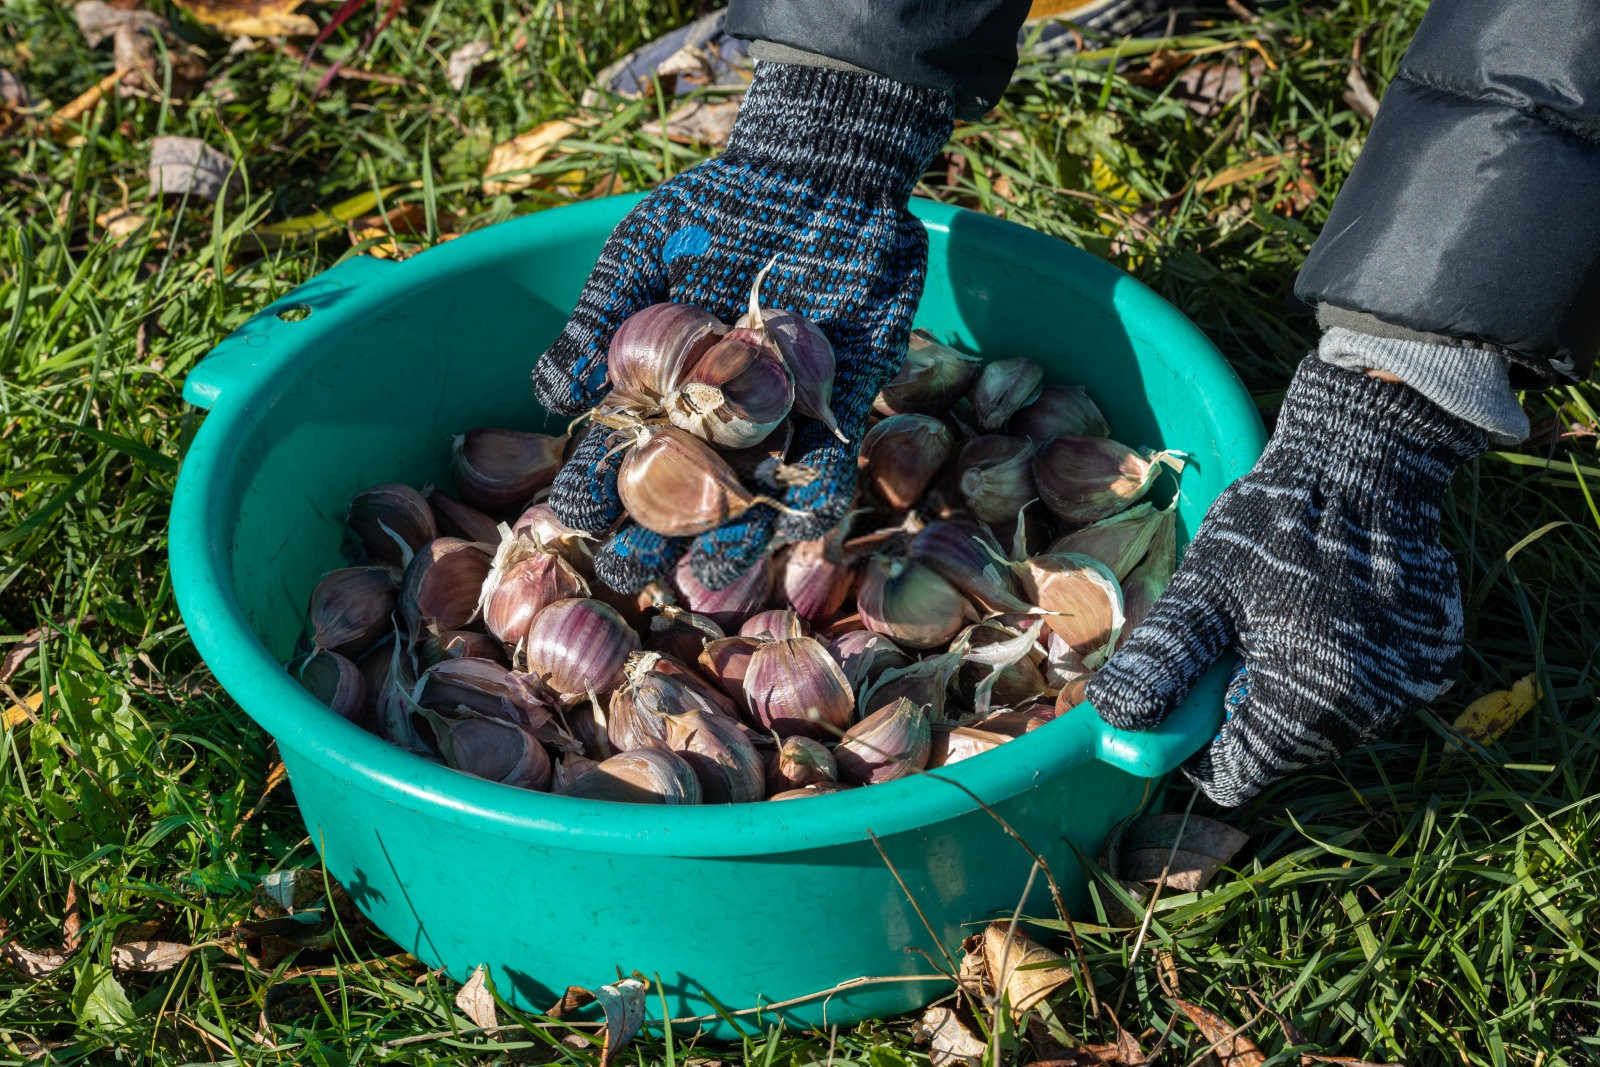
{"x": 1473, "y": 211}
{"x": 968, "y": 47}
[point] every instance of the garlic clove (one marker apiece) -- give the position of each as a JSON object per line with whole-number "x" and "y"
{"x": 963, "y": 554}
{"x": 648, "y": 776}
{"x": 1003, "y": 388}
{"x": 455, "y": 519}
{"x": 498, "y": 470}
{"x": 390, "y": 522}
{"x": 675, "y": 485}
{"x": 442, "y": 584}
{"x": 1002, "y": 665}
{"x": 1147, "y": 581}
{"x": 337, "y": 682}
{"x": 568, "y": 770}
{"x": 808, "y": 356}
{"x": 539, "y": 522}
{"x": 720, "y": 752}
{"x": 815, "y": 789}
{"x": 892, "y": 742}
{"x": 798, "y": 762}
{"x": 1058, "y": 412}
{"x": 1119, "y": 541}
{"x": 491, "y": 748}
{"x": 761, "y": 461}
{"x": 680, "y": 634}
{"x": 578, "y": 646}
{"x": 654, "y": 348}
{"x": 727, "y": 606}
{"x": 1072, "y": 694}
{"x": 932, "y": 378}
{"x": 864, "y": 656}
{"x": 1083, "y": 599}
{"x": 1084, "y": 479}
{"x": 736, "y": 394}
{"x": 653, "y": 690}
{"x": 434, "y": 646}
{"x": 726, "y": 661}
{"x": 901, "y": 454}
{"x": 907, "y": 601}
{"x": 996, "y": 478}
{"x": 926, "y": 683}
{"x": 815, "y": 578}
{"x": 351, "y": 608}
{"x": 524, "y": 578}
{"x": 794, "y": 687}
{"x": 773, "y": 624}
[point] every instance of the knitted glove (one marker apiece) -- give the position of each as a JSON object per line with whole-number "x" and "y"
{"x": 1323, "y": 567}
{"x": 817, "y": 172}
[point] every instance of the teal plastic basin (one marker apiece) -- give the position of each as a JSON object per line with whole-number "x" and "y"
{"x": 363, "y": 374}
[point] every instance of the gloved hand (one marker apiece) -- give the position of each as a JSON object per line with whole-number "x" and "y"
{"x": 1323, "y": 567}
{"x": 817, "y": 172}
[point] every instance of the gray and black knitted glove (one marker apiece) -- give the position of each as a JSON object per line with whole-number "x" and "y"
{"x": 1323, "y": 568}
{"x": 817, "y": 173}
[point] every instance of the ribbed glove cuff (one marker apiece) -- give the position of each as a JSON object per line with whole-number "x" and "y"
{"x": 1382, "y": 439}
{"x": 863, "y": 134}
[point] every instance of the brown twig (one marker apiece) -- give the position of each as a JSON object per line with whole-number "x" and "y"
{"x": 85, "y": 100}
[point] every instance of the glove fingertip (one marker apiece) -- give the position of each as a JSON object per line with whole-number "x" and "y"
{"x": 635, "y": 557}
{"x": 719, "y": 557}
{"x": 584, "y": 493}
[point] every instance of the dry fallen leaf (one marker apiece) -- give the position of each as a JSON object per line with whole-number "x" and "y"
{"x": 1207, "y": 88}
{"x": 17, "y": 714}
{"x": 118, "y": 223}
{"x": 149, "y": 957}
{"x": 951, "y": 1043}
{"x": 475, "y": 1000}
{"x": 697, "y": 122}
{"x": 71, "y": 921}
{"x": 1492, "y": 714}
{"x": 180, "y": 165}
{"x": 624, "y": 1007}
{"x": 33, "y": 963}
{"x": 463, "y": 61}
{"x": 1232, "y": 1048}
{"x": 522, "y": 152}
{"x": 1203, "y": 847}
{"x": 98, "y": 21}
{"x": 251, "y": 18}
{"x": 1020, "y": 968}
{"x": 133, "y": 49}
{"x": 14, "y": 101}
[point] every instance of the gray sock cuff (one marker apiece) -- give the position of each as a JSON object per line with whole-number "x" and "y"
{"x": 1469, "y": 383}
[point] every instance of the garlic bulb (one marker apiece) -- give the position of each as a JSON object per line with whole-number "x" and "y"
{"x": 500, "y": 470}
{"x": 794, "y": 687}
{"x": 637, "y": 714}
{"x": 908, "y": 602}
{"x": 390, "y": 522}
{"x": 654, "y": 348}
{"x": 337, "y": 682}
{"x": 731, "y": 604}
{"x": 351, "y": 609}
{"x": 901, "y": 454}
{"x": 996, "y": 477}
{"x": 1083, "y": 479}
{"x": 892, "y": 742}
{"x": 442, "y": 583}
{"x": 736, "y": 394}
{"x": 577, "y": 647}
{"x": 933, "y": 377}
{"x": 1059, "y": 412}
{"x": 648, "y": 776}
{"x": 1004, "y": 387}
{"x": 675, "y": 485}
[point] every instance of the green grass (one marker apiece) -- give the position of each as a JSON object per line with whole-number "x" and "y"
{"x": 1412, "y": 903}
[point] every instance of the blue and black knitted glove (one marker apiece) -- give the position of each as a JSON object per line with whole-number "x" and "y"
{"x": 1323, "y": 567}
{"x": 817, "y": 172}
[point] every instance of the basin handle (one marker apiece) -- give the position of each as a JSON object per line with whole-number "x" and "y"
{"x": 269, "y": 337}
{"x": 1159, "y": 751}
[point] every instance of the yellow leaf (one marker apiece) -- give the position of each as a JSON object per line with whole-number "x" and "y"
{"x": 251, "y": 18}
{"x": 17, "y": 714}
{"x": 522, "y": 152}
{"x": 1492, "y": 714}
{"x": 322, "y": 223}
